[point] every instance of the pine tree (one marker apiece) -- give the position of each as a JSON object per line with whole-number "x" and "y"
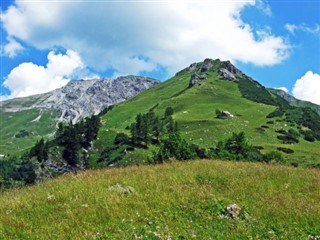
{"x": 168, "y": 112}
{"x": 71, "y": 145}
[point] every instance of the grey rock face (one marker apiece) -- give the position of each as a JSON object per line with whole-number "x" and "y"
{"x": 231, "y": 68}
{"x": 207, "y": 65}
{"x": 195, "y": 78}
{"x": 226, "y": 74}
{"x": 84, "y": 97}
{"x": 192, "y": 67}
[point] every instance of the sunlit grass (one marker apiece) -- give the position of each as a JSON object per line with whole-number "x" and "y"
{"x": 177, "y": 200}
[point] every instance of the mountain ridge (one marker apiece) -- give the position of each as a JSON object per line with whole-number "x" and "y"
{"x": 25, "y": 121}
{"x": 82, "y": 98}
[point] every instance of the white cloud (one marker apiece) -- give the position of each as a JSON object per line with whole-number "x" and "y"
{"x": 12, "y": 48}
{"x": 283, "y": 89}
{"x": 264, "y": 7}
{"x": 171, "y": 34}
{"x": 292, "y": 28}
{"x": 308, "y": 88}
{"x": 29, "y": 78}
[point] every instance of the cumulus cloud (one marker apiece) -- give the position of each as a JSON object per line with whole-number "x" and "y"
{"x": 308, "y": 88}
{"x": 12, "y": 48}
{"x": 29, "y": 78}
{"x": 171, "y": 34}
{"x": 264, "y": 7}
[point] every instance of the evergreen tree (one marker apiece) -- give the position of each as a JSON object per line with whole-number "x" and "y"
{"x": 175, "y": 147}
{"x": 40, "y": 150}
{"x": 60, "y": 133}
{"x": 121, "y": 138}
{"x": 168, "y": 112}
{"x": 71, "y": 145}
{"x": 171, "y": 125}
{"x": 237, "y": 144}
{"x": 134, "y": 134}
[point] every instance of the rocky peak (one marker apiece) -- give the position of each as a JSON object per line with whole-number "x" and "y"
{"x": 230, "y": 67}
{"x": 83, "y": 98}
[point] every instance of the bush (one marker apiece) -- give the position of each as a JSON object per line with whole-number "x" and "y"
{"x": 309, "y": 138}
{"x": 289, "y": 137}
{"x": 255, "y": 155}
{"x": 22, "y": 134}
{"x": 121, "y": 138}
{"x": 285, "y": 150}
{"x": 168, "y": 112}
{"x": 282, "y": 131}
{"x": 273, "y": 156}
{"x": 175, "y": 147}
{"x": 276, "y": 113}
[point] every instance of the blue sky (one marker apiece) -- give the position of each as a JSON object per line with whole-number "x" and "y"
{"x": 44, "y": 44}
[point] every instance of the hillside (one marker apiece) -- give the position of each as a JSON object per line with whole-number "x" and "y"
{"x": 26, "y": 120}
{"x": 195, "y": 101}
{"x": 208, "y": 110}
{"x": 169, "y": 201}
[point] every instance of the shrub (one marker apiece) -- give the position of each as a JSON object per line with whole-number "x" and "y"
{"x": 168, "y": 112}
{"x": 289, "y": 137}
{"x": 309, "y": 138}
{"x": 22, "y": 134}
{"x": 273, "y": 156}
{"x": 175, "y": 147}
{"x": 276, "y": 113}
{"x": 255, "y": 155}
{"x": 285, "y": 150}
{"x": 121, "y": 138}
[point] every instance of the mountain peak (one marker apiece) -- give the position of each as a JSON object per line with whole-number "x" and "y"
{"x": 226, "y": 67}
{"x": 83, "y": 98}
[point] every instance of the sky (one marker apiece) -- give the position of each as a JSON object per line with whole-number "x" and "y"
{"x": 45, "y": 44}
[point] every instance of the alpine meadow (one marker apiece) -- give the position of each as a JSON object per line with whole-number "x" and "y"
{"x": 160, "y": 120}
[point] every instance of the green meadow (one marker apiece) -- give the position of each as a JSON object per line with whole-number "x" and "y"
{"x": 178, "y": 200}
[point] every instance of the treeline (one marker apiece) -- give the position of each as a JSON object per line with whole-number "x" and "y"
{"x": 72, "y": 139}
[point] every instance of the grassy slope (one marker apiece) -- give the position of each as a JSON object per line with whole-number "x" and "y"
{"x": 195, "y": 112}
{"x": 180, "y": 200}
{"x": 13, "y": 123}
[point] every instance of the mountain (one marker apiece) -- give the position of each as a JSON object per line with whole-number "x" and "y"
{"x": 82, "y": 98}
{"x": 211, "y": 100}
{"x": 294, "y": 101}
{"x": 208, "y": 110}
{"x": 196, "y": 94}
{"x": 25, "y": 120}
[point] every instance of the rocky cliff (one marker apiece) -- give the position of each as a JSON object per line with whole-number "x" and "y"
{"x": 82, "y": 98}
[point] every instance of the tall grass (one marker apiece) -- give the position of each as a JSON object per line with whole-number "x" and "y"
{"x": 170, "y": 201}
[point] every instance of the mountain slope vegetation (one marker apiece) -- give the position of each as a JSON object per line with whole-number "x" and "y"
{"x": 26, "y": 120}
{"x": 208, "y": 110}
{"x": 265, "y": 118}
